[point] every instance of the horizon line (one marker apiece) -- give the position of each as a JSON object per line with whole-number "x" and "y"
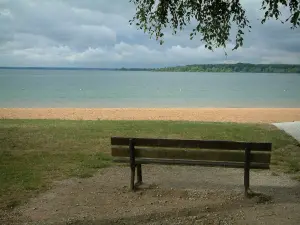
{"x": 122, "y": 67}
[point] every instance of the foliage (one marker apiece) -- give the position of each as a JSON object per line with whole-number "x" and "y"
{"x": 134, "y": 69}
{"x": 239, "y": 67}
{"x": 214, "y": 18}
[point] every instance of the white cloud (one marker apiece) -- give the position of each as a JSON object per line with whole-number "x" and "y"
{"x": 97, "y": 34}
{"x": 6, "y": 13}
{"x": 123, "y": 54}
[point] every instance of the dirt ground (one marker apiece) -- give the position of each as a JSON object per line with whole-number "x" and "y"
{"x": 169, "y": 195}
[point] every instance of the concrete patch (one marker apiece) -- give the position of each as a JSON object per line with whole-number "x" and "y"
{"x": 291, "y": 128}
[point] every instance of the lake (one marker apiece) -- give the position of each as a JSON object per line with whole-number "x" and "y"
{"x": 97, "y": 89}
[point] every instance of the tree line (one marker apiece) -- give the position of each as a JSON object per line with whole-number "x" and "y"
{"x": 225, "y": 68}
{"x": 239, "y": 67}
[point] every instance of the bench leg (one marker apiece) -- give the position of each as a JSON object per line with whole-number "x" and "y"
{"x": 247, "y": 170}
{"x": 246, "y": 182}
{"x": 132, "y": 163}
{"x": 139, "y": 174}
{"x": 132, "y": 178}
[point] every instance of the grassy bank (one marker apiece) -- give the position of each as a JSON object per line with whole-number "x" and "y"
{"x": 33, "y": 153}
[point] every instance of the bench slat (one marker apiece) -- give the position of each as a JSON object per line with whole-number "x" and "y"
{"x": 206, "y": 144}
{"x": 195, "y": 154}
{"x": 192, "y": 162}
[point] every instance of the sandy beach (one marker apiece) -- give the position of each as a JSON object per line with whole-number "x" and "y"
{"x": 248, "y": 115}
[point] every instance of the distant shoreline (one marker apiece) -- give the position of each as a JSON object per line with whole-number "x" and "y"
{"x": 242, "y": 115}
{"x": 216, "y": 68}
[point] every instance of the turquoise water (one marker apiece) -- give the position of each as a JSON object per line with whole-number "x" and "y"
{"x": 95, "y": 88}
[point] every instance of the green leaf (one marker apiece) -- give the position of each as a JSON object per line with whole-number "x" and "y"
{"x": 214, "y": 18}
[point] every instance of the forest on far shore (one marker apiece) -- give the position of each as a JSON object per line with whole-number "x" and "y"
{"x": 238, "y": 67}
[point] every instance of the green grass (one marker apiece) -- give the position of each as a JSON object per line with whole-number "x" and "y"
{"x": 33, "y": 153}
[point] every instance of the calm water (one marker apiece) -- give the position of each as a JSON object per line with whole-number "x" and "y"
{"x": 80, "y": 88}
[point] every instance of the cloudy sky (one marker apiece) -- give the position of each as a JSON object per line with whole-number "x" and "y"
{"x": 96, "y": 33}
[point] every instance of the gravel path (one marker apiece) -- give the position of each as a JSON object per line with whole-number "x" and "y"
{"x": 292, "y": 128}
{"x": 170, "y": 195}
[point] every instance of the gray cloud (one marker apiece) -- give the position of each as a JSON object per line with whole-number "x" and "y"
{"x": 98, "y": 34}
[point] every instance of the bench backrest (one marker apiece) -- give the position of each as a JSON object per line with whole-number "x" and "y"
{"x": 192, "y": 152}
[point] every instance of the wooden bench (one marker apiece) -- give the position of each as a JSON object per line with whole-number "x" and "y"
{"x": 138, "y": 151}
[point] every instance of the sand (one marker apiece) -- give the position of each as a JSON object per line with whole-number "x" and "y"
{"x": 248, "y": 115}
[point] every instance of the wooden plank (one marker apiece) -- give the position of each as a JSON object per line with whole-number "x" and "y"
{"x": 192, "y": 163}
{"x": 195, "y": 154}
{"x": 207, "y": 144}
